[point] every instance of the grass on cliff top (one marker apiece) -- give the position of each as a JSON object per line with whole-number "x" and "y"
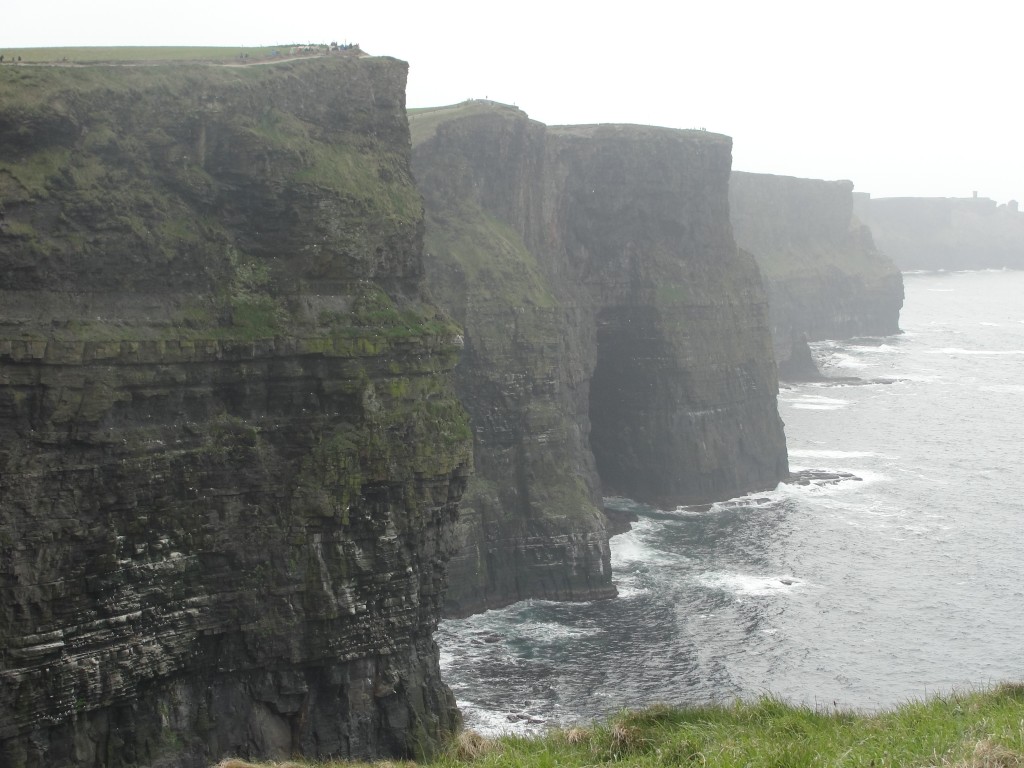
{"x": 423, "y": 121}
{"x": 146, "y": 54}
{"x": 964, "y": 730}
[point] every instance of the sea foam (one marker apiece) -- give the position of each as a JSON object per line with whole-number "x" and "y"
{"x": 751, "y": 585}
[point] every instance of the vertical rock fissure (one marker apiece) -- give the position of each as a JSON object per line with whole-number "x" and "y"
{"x": 626, "y": 421}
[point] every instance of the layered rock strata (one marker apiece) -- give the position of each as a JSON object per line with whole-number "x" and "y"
{"x": 615, "y": 338}
{"x": 230, "y": 448}
{"x": 948, "y": 233}
{"x": 825, "y": 277}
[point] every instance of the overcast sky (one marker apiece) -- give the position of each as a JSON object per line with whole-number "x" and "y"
{"x": 903, "y": 97}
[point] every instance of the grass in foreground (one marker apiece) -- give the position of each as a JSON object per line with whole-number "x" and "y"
{"x": 976, "y": 730}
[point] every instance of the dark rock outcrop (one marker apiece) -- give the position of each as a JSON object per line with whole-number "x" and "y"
{"x": 824, "y": 275}
{"x": 948, "y": 233}
{"x": 230, "y": 449}
{"x": 615, "y": 337}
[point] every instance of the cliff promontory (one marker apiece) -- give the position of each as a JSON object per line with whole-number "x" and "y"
{"x": 230, "y": 448}
{"x": 615, "y": 338}
{"x": 948, "y": 232}
{"x": 825, "y": 277}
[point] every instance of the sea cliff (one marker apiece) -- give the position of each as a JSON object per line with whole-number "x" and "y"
{"x": 947, "y": 233}
{"x": 616, "y": 340}
{"x": 824, "y": 276}
{"x": 230, "y": 447}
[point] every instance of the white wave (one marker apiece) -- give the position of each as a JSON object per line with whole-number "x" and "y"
{"x": 489, "y": 722}
{"x": 752, "y": 500}
{"x": 827, "y": 454}
{"x": 552, "y": 632}
{"x": 756, "y": 586}
{"x": 882, "y": 348}
{"x": 960, "y": 351}
{"x": 1003, "y": 388}
{"x": 823, "y": 399}
{"x": 748, "y": 501}
{"x": 870, "y": 476}
{"x": 918, "y": 528}
{"x": 626, "y": 550}
{"x": 993, "y": 325}
{"x": 690, "y": 512}
{"x": 630, "y": 553}
{"x": 840, "y": 360}
{"x": 629, "y": 592}
{"x": 644, "y": 526}
{"x": 784, "y": 491}
{"x": 630, "y": 548}
{"x": 815, "y": 403}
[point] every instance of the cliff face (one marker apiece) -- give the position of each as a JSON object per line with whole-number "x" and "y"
{"x": 531, "y": 521}
{"x": 824, "y": 275}
{"x": 615, "y": 337}
{"x": 230, "y": 449}
{"x": 948, "y": 233}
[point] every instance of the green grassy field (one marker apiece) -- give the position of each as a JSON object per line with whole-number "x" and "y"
{"x": 975, "y": 730}
{"x": 134, "y": 54}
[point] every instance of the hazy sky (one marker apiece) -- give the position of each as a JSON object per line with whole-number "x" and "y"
{"x": 903, "y": 97}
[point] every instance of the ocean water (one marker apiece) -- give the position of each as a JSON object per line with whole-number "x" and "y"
{"x": 904, "y": 582}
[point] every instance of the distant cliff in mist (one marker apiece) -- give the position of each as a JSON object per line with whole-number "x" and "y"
{"x": 947, "y": 232}
{"x": 825, "y": 277}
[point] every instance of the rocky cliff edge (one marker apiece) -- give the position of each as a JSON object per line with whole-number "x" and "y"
{"x": 230, "y": 450}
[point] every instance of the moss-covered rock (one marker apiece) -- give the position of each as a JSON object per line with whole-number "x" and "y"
{"x": 230, "y": 448}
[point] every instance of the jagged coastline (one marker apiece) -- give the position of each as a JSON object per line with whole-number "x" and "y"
{"x": 236, "y": 432}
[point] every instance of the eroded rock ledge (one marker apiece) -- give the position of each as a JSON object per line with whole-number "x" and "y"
{"x": 616, "y": 339}
{"x": 230, "y": 449}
